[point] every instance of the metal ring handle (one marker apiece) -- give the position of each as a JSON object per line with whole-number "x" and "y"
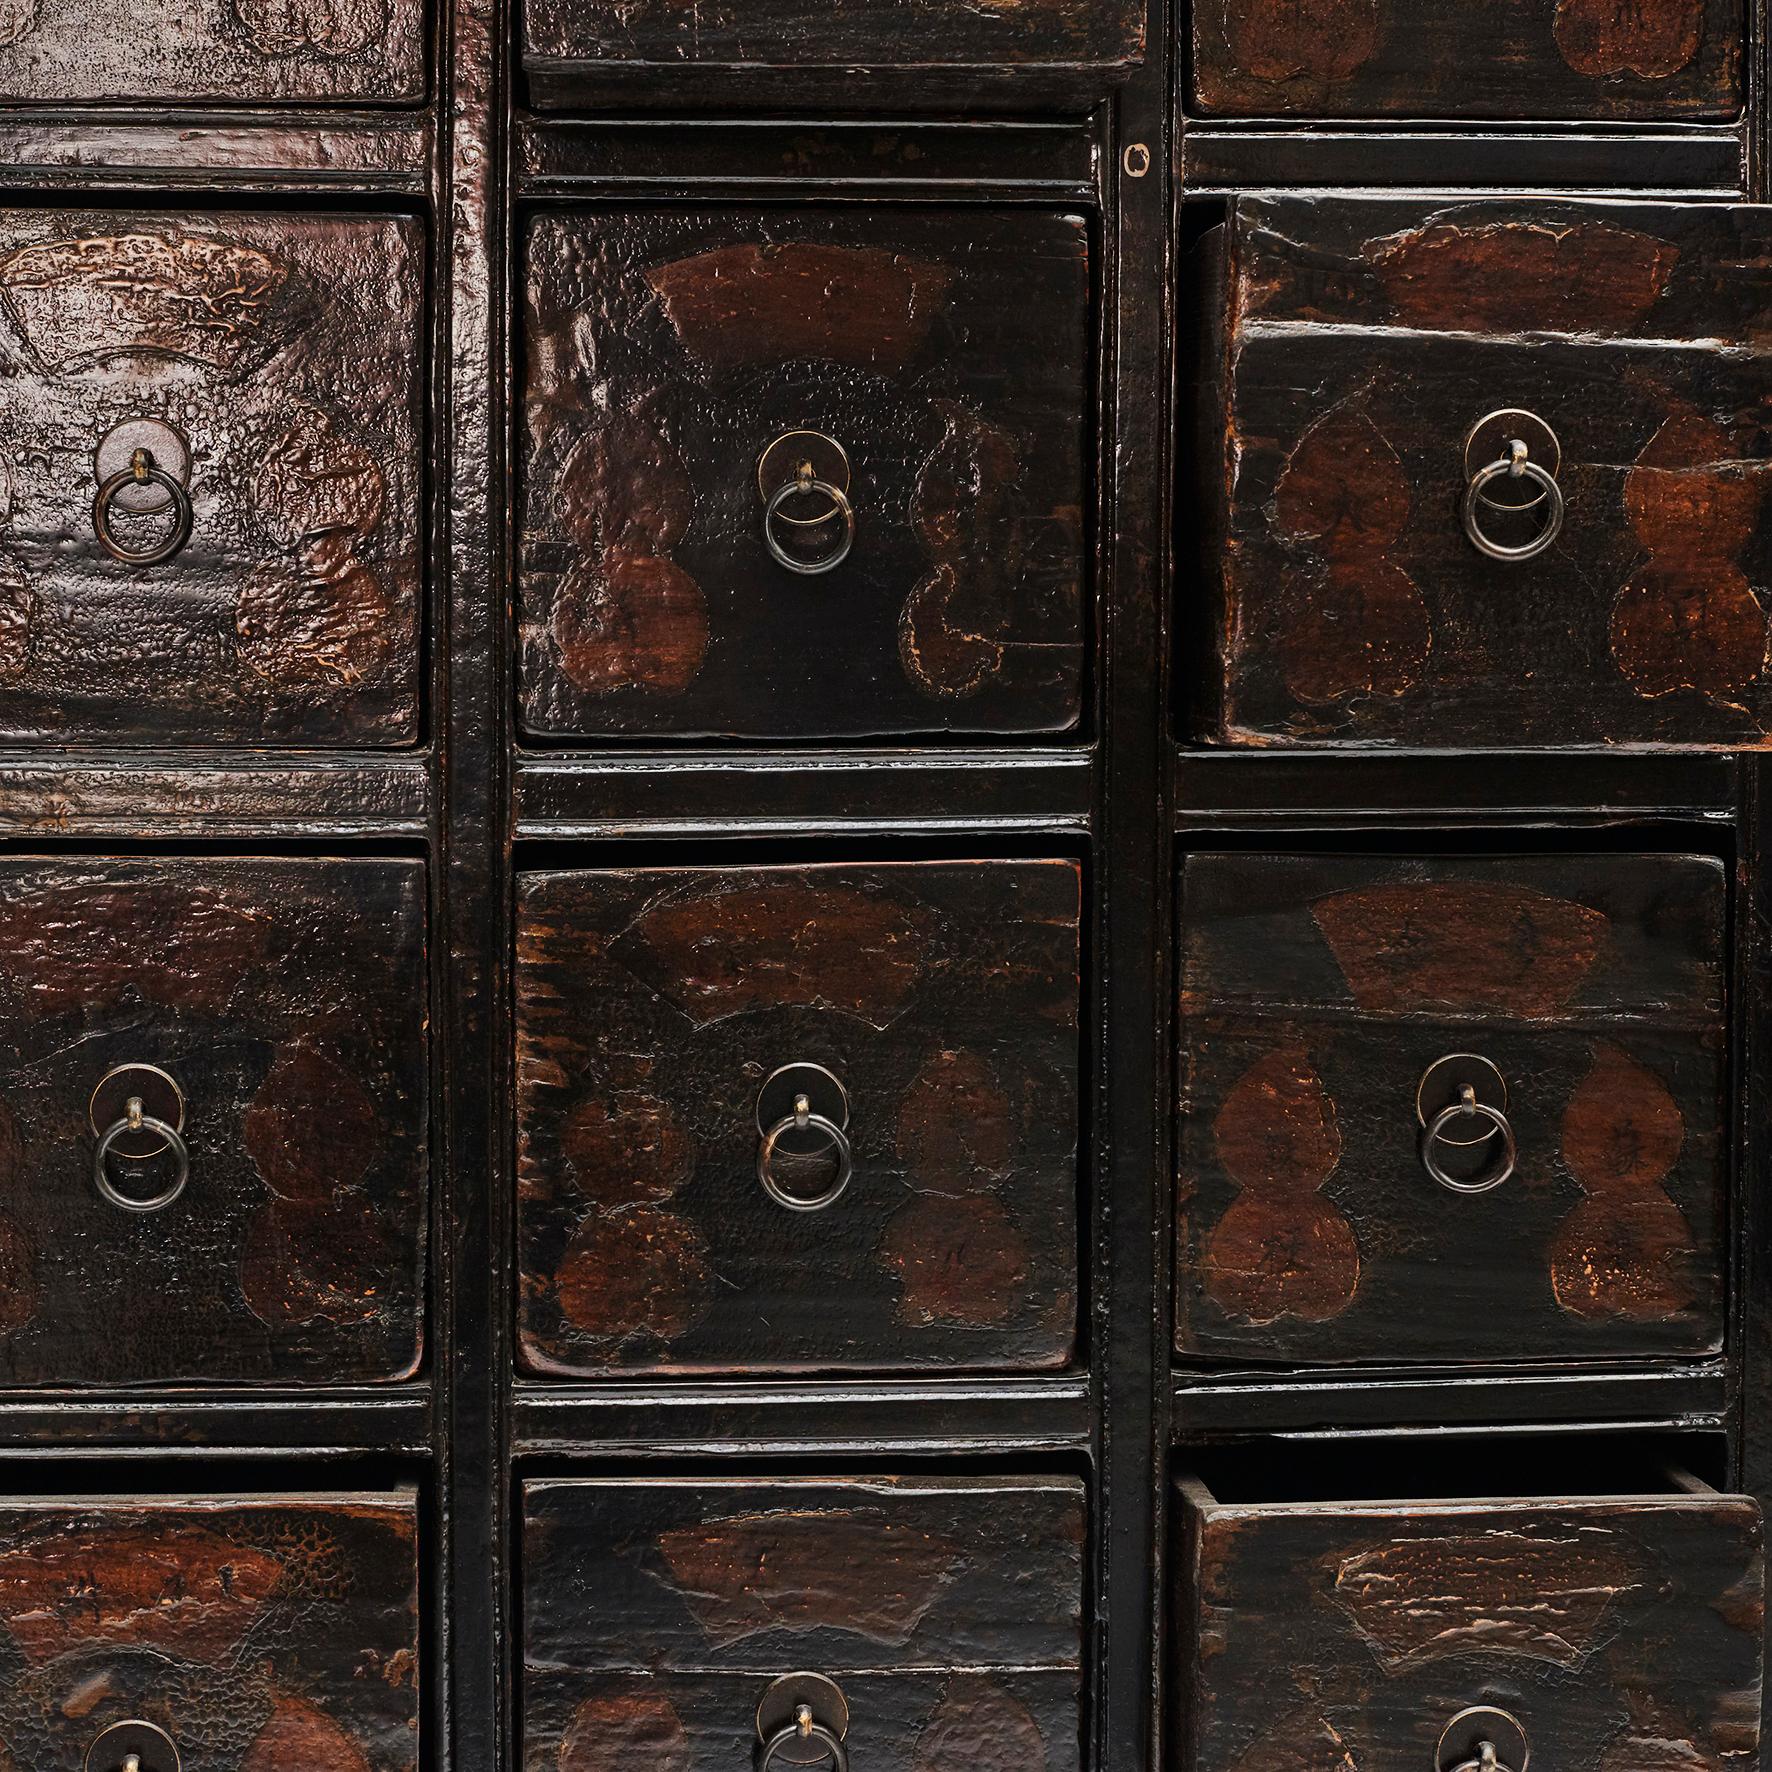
{"x": 1468, "y": 1103}
{"x": 1486, "y": 1761}
{"x": 840, "y": 507}
{"x": 800, "y": 1120}
{"x": 805, "y": 1727}
{"x": 1515, "y": 465}
{"x": 136, "y": 1121}
{"x": 142, "y": 471}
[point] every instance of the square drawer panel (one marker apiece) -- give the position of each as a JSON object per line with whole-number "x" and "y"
{"x": 269, "y": 368}
{"x": 1368, "y": 366}
{"x": 212, "y": 1633}
{"x": 681, "y": 368}
{"x": 1334, "y": 1008}
{"x": 944, "y": 1617}
{"x": 1390, "y": 1624}
{"x": 264, "y": 1220}
{"x": 676, "y": 1213}
{"x": 1580, "y": 59}
{"x": 243, "y": 52}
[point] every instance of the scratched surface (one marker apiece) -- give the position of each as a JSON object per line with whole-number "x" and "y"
{"x": 1315, "y": 994}
{"x": 946, "y": 352}
{"x": 949, "y": 1612}
{"x": 1350, "y": 347}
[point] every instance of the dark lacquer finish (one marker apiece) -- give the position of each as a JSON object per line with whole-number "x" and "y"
{"x": 1317, "y": 992}
{"x": 285, "y": 350}
{"x": 1579, "y": 59}
{"x": 947, "y": 1610}
{"x": 652, "y": 1008}
{"x": 945, "y": 352}
{"x": 1614, "y": 1629}
{"x": 286, "y": 1000}
{"x": 241, "y": 51}
{"x": 1351, "y": 346}
{"x": 272, "y": 1633}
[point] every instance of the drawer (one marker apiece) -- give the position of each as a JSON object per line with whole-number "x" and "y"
{"x": 226, "y": 1634}
{"x": 676, "y": 1210}
{"x": 1391, "y": 1625}
{"x": 1368, "y": 367}
{"x": 260, "y": 583}
{"x": 1335, "y": 1008}
{"x": 943, "y": 1617}
{"x": 676, "y": 576}
{"x": 573, "y": 50}
{"x": 1580, "y": 59}
{"x": 264, "y": 1210}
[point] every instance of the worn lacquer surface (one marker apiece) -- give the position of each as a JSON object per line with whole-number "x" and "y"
{"x": 1315, "y": 994}
{"x": 652, "y": 1005}
{"x": 287, "y": 1001}
{"x": 945, "y": 353}
{"x": 1361, "y": 342}
{"x": 948, "y": 1611}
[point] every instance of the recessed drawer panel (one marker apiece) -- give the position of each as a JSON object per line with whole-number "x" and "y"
{"x": 212, "y": 1121}
{"x": 1588, "y": 59}
{"x": 1340, "y": 1197}
{"x": 804, "y": 473}
{"x": 931, "y": 1624}
{"x": 209, "y": 523}
{"x": 214, "y": 1633}
{"x": 1484, "y": 474}
{"x": 797, "y": 1118}
{"x": 1403, "y": 1629}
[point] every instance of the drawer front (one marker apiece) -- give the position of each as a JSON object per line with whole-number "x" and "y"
{"x": 1433, "y": 58}
{"x": 275, "y": 1631}
{"x": 931, "y": 1010}
{"x": 937, "y": 357}
{"x": 1331, "y": 1004}
{"x": 1616, "y": 1633}
{"x": 948, "y": 1614}
{"x": 269, "y": 367}
{"x": 278, "y": 1008}
{"x": 1354, "y": 606}
{"x": 242, "y": 51}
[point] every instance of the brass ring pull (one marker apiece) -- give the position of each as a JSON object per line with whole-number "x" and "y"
{"x": 806, "y": 481}
{"x": 800, "y": 1120}
{"x": 135, "y": 1120}
{"x": 1487, "y": 1760}
{"x": 1516, "y": 464}
{"x": 804, "y": 1730}
{"x": 142, "y": 471}
{"x": 1465, "y": 1106}
{"x": 132, "y": 1746}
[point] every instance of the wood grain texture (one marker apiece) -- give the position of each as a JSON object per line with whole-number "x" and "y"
{"x": 945, "y": 351}
{"x": 241, "y": 51}
{"x": 651, "y": 1006}
{"x": 1316, "y": 992}
{"x": 1575, "y": 59}
{"x": 949, "y": 1611}
{"x": 1349, "y": 606}
{"x": 287, "y": 349}
{"x": 287, "y": 998}
{"x": 262, "y": 1635}
{"x": 1620, "y": 1631}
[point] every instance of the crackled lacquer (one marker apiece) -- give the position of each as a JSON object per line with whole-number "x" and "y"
{"x": 1315, "y": 994}
{"x": 946, "y": 353}
{"x": 948, "y": 1612}
{"x": 240, "y": 51}
{"x": 1580, "y": 59}
{"x": 651, "y": 1007}
{"x": 1350, "y": 607}
{"x": 287, "y": 1000}
{"x": 266, "y": 1634}
{"x": 1620, "y": 1631}
{"x": 286, "y": 349}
